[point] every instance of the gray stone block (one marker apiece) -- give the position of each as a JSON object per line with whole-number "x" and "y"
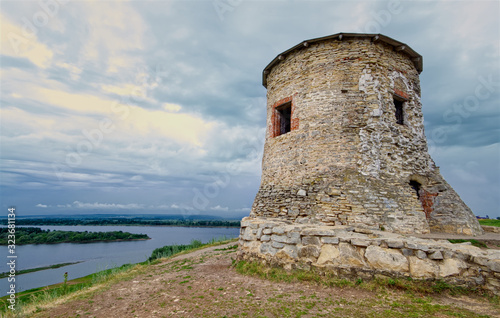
{"x": 420, "y": 254}
{"x": 277, "y": 245}
{"x": 278, "y": 230}
{"x": 395, "y": 244}
{"x": 359, "y": 242}
{"x": 436, "y": 255}
{"x": 265, "y": 238}
{"x": 310, "y": 240}
{"x": 309, "y": 251}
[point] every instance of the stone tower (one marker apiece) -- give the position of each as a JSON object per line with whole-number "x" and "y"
{"x": 345, "y": 141}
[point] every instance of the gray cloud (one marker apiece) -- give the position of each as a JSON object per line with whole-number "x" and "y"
{"x": 141, "y": 64}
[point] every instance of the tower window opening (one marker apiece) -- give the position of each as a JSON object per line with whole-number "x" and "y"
{"x": 399, "y": 111}
{"x": 284, "y": 116}
{"x": 416, "y": 186}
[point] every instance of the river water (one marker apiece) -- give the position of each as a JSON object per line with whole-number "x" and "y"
{"x": 97, "y": 256}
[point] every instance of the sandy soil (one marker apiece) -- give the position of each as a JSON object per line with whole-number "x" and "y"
{"x": 203, "y": 284}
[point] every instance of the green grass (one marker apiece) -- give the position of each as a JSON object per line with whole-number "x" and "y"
{"x": 170, "y": 250}
{"x": 330, "y": 280}
{"x": 395, "y": 297}
{"x": 490, "y": 222}
{"x": 472, "y": 241}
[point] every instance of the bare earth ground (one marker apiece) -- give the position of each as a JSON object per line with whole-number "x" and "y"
{"x": 203, "y": 284}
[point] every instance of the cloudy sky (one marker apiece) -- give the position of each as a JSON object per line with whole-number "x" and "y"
{"x": 158, "y": 107}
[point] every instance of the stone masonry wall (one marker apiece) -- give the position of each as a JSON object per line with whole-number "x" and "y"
{"x": 346, "y": 160}
{"x": 351, "y": 252}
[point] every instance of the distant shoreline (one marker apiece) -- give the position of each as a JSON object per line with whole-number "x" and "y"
{"x": 83, "y": 242}
{"x": 21, "y": 235}
{"x": 110, "y": 221}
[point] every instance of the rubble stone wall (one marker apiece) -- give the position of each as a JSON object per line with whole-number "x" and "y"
{"x": 352, "y": 252}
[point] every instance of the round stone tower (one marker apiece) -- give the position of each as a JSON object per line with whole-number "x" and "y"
{"x": 345, "y": 141}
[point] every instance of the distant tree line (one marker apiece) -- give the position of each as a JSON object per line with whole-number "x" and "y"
{"x": 125, "y": 221}
{"x": 35, "y": 235}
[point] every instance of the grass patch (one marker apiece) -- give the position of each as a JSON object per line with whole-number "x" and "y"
{"x": 170, "y": 250}
{"x": 472, "y": 241}
{"x": 330, "y": 280}
{"x": 490, "y": 222}
{"x": 232, "y": 247}
{"x": 281, "y": 275}
{"x": 395, "y": 297}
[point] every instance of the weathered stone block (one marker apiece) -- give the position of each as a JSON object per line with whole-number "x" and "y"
{"x": 349, "y": 256}
{"x": 494, "y": 265}
{"x": 420, "y": 254}
{"x": 279, "y": 238}
{"x": 293, "y": 212}
{"x": 417, "y": 246}
{"x": 407, "y": 252}
{"x": 248, "y": 235}
{"x": 436, "y": 255}
{"x": 265, "y": 238}
{"x": 395, "y": 244}
{"x": 329, "y": 240}
{"x": 318, "y": 232}
{"x": 387, "y": 259}
{"x": 293, "y": 238}
{"x": 451, "y": 267}
{"x": 266, "y": 248}
{"x": 277, "y": 245}
{"x": 310, "y": 252}
{"x": 288, "y": 253}
{"x": 310, "y": 240}
{"x": 278, "y": 230}
{"x": 328, "y": 254}
{"x": 359, "y": 242}
{"x": 422, "y": 268}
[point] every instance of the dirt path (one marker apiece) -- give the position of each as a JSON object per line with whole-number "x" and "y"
{"x": 203, "y": 284}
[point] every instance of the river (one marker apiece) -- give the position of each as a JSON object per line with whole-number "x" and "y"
{"x": 97, "y": 256}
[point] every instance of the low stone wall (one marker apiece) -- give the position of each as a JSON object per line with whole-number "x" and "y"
{"x": 491, "y": 229}
{"x": 351, "y": 252}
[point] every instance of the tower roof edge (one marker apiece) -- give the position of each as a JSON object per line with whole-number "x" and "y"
{"x": 415, "y": 57}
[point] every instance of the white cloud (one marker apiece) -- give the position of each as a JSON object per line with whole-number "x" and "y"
{"x": 39, "y": 205}
{"x": 174, "y": 108}
{"x": 16, "y": 42}
{"x": 115, "y": 29}
{"x": 219, "y": 208}
{"x": 74, "y": 70}
{"x": 96, "y": 205}
{"x": 205, "y": 116}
